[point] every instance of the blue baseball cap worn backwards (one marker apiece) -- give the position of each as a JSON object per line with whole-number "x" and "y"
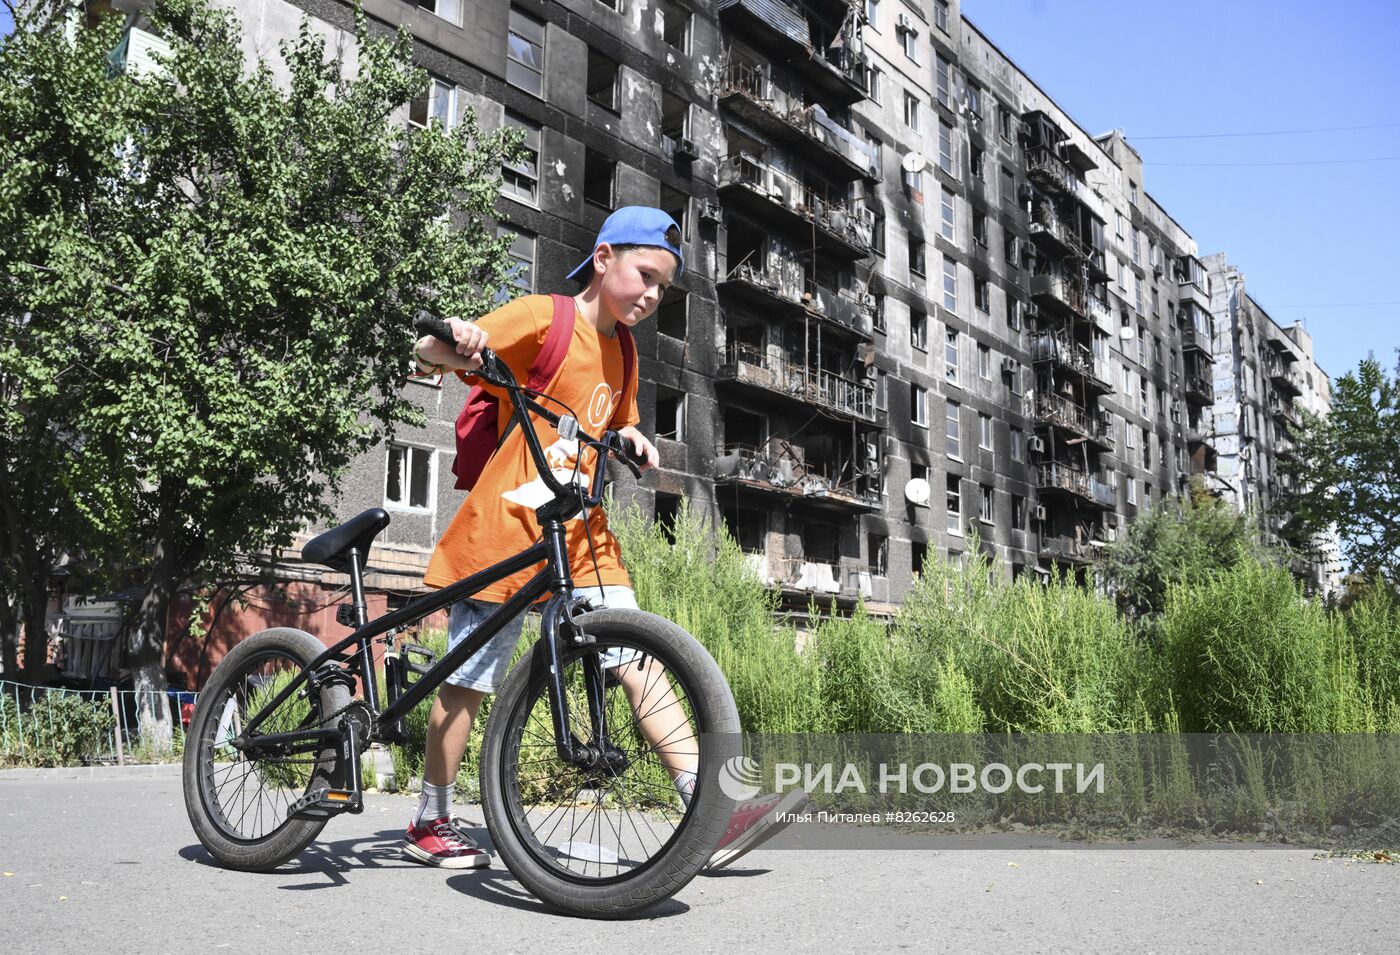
{"x": 636, "y": 225}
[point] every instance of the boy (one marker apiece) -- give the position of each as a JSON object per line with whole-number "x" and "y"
{"x": 635, "y": 258}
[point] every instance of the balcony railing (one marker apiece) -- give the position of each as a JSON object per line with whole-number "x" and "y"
{"x": 1063, "y": 477}
{"x": 1101, "y": 315}
{"x": 1069, "y": 550}
{"x": 1063, "y": 413}
{"x": 1283, "y": 408}
{"x": 845, "y": 224}
{"x": 1052, "y": 172}
{"x": 752, "y": 93}
{"x": 1198, "y": 388}
{"x": 1063, "y": 351}
{"x": 1060, "y": 291}
{"x": 1049, "y": 230}
{"x": 818, "y": 386}
{"x": 788, "y": 474}
{"x": 1284, "y": 377}
{"x": 835, "y": 69}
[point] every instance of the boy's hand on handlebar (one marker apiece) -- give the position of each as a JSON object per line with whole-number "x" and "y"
{"x": 467, "y": 352}
{"x": 644, "y": 449}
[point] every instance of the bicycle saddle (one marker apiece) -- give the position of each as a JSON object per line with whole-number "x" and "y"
{"x": 333, "y": 547}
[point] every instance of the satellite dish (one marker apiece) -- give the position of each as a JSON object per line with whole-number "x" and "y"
{"x": 913, "y": 162}
{"x": 1127, "y": 333}
{"x": 917, "y": 491}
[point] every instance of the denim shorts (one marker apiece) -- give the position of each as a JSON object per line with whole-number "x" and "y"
{"x": 486, "y": 670}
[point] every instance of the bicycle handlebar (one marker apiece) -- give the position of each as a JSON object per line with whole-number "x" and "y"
{"x": 496, "y": 372}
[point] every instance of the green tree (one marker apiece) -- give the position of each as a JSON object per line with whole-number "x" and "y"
{"x": 1347, "y": 470}
{"x": 223, "y": 272}
{"x": 1180, "y": 540}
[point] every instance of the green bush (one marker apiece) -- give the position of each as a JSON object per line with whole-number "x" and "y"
{"x": 1245, "y": 651}
{"x": 58, "y": 729}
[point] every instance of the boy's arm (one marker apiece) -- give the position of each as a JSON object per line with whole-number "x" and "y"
{"x": 514, "y": 332}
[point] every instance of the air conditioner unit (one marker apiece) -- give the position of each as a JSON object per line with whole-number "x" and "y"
{"x": 868, "y": 301}
{"x": 710, "y": 212}
{"x": 1010, "y": 365}
{"x": 685, "y": 149}
{"x": 903, "y": 23}
{"x": 1035, "y": 444}
{"x": 1040, "y": 513}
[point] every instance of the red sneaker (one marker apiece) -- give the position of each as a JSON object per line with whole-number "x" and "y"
{"x": 755, "y": 822}
{"x": 437, "y": 842}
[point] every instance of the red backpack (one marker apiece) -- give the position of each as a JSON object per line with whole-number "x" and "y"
{"x": 478, "y": 435}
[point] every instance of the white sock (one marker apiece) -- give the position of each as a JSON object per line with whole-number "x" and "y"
{"x": 685, "y": 786}
{"x": 435, "y": 802}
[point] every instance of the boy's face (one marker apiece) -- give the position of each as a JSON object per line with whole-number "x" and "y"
{"x": 632, "y": 283}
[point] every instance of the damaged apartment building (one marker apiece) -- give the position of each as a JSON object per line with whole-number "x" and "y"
{"x": 922, "y": 307}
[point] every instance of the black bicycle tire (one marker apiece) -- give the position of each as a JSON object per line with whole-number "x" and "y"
{"x": 290, "y": 839}
{"x": 702, "y": 827}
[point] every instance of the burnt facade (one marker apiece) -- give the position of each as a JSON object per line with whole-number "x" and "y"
{"x": 919, "y": 300}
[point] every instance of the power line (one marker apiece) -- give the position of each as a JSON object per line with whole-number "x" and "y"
{"x": 1300, "y": 162}
{"x": 1276, "y": 132}
{"x": 1337, "y": 305}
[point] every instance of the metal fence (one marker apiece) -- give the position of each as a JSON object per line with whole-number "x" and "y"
{"x": 50, "y": 726}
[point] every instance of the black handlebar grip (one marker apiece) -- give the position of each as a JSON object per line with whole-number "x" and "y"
{"x": 627, "y": 452}
{"x": 426, "y": 323}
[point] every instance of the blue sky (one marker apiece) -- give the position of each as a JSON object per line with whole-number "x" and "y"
{"x": 1316, "y": 242}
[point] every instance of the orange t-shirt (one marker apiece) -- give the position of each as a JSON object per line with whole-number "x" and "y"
{"x": 498, "y": 519}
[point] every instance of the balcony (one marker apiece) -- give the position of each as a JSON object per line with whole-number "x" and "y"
{"x": 1056, "y": 411}
{"x": 1197, "y": 387}
{"x": 1057, "y": 478}
{"x": 1068, "y": 550}
{"x": 1195, "y": 332}
{"x": 844, "y": 308}
{"x": 746, "y": 365}
{"x": 784, "y": 474}
{"x": 1050, "y": 172}
{"x": 1063, "y": 295}
{"x": 759, "y": 286}
{"x": 806, "y": 575}
{"x": 1283, "y": 377}
{"x": 1053, "y": 234}
{"x": 832, "y": 66}
{"x": 844, "y": 228}
{"x": 1102, "y": 315}
{"x": 1283, "y": 408}
{"x": 823, "y": 142}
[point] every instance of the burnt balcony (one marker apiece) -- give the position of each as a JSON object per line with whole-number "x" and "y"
{"x": 1055, "y": 235}
{"x": 1196, "y": 333}
{"x": 759, "y": 286}
{"x": 1050, "y": 172}
{"x": 1286, "y": 449}
{"x": 784, "y": 474}
{"x": 830, "y": 64}
{"x": 1101, "y": 314}
{"x": 844, "y": 308}
{"x": 747, "y": 365}
{"x": 1076, "y": 359}
{"x": 844, "y": 228}
{"x": 1068, "y": 550}
{"x": 1060, "y": 293}
{"x": 1197, "y": 387}
{"x": 823, "y": 142}
{"x": 1058, "y": 478}
{"x": 1283, "y": 408}
{"x": 1059, "y": 412}
{"x": 810, "y": 575}
{"x": 1285, "y": 379}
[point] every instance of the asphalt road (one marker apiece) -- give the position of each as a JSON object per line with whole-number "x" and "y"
{"x": 111, "y": 865}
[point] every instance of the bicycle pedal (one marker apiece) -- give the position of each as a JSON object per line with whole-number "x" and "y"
{"x": 324, "y": 802}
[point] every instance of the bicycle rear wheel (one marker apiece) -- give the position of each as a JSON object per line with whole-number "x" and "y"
{"x": 239, "y": 805}
{"x": 614, "y": 841}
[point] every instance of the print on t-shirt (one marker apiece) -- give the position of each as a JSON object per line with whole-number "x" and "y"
{"x": 562, "y": 455}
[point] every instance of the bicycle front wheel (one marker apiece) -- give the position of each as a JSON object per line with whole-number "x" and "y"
{"x": 615, "y": 840}
{"x": 241, "y": 807}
